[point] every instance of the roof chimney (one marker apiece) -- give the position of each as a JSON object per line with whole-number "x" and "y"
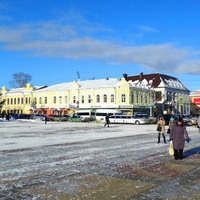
{"x": 141, "y": 75}
{"x": 125, "y": 76}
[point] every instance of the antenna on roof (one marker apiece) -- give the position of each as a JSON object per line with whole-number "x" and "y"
{"x": 78, "y": 75}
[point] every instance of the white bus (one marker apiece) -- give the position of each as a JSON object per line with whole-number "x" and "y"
{"x": 101, "y": 113}
{"x": 88, "y": 114}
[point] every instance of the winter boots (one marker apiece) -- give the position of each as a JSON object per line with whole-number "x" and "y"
{"x": 178, "y": 154}
{"x": 163, "y": 138}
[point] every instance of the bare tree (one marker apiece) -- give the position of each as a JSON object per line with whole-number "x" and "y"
{"x": 20, "y": 80}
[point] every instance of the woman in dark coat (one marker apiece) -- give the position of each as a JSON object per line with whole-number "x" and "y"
{"x": 178, "y": 135}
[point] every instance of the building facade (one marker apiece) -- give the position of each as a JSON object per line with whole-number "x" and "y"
{"x": 18, "y": 100}
{"x": 171, "y": 95}
{"x": 65, "y": 98}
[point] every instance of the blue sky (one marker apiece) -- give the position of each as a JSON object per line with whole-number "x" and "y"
{"x": 54, "y": 41}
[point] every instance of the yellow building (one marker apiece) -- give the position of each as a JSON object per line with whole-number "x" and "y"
{"x": 93, "y": 94}
{"x": 65, "y": 98}
{"x": 18, "y": 100}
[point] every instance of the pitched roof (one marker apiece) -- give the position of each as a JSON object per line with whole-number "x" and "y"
{"x": 158, "y": 80}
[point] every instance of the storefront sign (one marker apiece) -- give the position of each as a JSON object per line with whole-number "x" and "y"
{"x": 196, "y": 101}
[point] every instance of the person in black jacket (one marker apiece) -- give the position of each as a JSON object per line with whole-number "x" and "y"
{"x": 107, "y": 120}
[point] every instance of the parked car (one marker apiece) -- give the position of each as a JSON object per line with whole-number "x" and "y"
{"x": 150, "y": 119}
{"x": 39, "y": 116}
{"x": 58, "y": 118}
{"x": 189, "y": 119}
{"x": 26, "y": 116}
{"x": 127, "y": 119}
{"x": 77, "y": 119}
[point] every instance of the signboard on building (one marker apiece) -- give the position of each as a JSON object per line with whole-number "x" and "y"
{"x": 196, "y": 101}
{"x": 180, "y": 101}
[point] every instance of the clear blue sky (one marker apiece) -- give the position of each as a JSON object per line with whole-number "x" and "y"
{"x": 52, "y": 40}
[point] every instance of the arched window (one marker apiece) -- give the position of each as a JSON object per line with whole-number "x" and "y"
{"x": 74, "y": 99}
{"x": 137, "y": 98}
{"x": 40, "y": 100}
{"x": 54, "y": 99}
{"x": 60, "y": 99}
{"x": 132, "y": 98}
{"x": 66, "y": 99}
{"x": 89, "y": 99}
{"x": 14, "y": 100}
{"x": 123, "y": 98}
{"x": 11, "y": 101}
{"x": 112, "y": 98}
{"x": 22, "y": 100}
{"x": 98, "y": 98}
{"x": 18, "y": 101}
{"x": 26, "y": 100}
{"x": 82, "y": 99}
{"x": 45, "y": 100}
{"x": 105, "y": 98}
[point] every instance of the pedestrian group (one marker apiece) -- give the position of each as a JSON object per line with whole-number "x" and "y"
{"x": 177, "y": 134}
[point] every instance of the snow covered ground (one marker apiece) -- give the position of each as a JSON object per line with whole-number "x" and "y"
{"x": 65, "y": 160}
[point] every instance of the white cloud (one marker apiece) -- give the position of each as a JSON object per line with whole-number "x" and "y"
{"x": 58, "y": 39}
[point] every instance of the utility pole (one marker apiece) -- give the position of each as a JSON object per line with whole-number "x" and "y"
{"x": 78, "y": 75}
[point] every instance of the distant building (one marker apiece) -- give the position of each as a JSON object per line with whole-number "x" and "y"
{"x": 171, "y": 95}
{"x": 151, "y": 93}
{"x": 19, "y": 100}
{"x": 195, "y": 103}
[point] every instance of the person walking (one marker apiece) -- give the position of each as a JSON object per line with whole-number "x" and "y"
{"x": 107, "y": 120}
{"x": 178, "y": 135}
{"x": 7, "y": 117}
{"x": 161, "y": 125}
{"x": 45, "y": 119}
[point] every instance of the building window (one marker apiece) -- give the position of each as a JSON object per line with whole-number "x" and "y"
{"x": 89, "y": 99}
{"x": 145, "y": 99}
{"x": 105, "y": 98}
{"x": 74, "y": 99}
{"x": 54, "y": 99}
{"x": 132, "y": 98}
{"x": 45, "y": 100}
{"x": 27, "y": 99}
{"x": 18, "y": 101}
{"x": 66, "y": 99}
{"x": 98, "y": 98}
{"x": 123, "y": 98}
{"x": 137, "y": 98}
{"x": 82, "y": 99}
{"x": 60, "y": 99}
{"x": 40, "y": 100}
{"x": 8, "y": 101}
{"x": 169, "y": 96}
{"x": 112, "y": 98}
{"x": 158, "y": 96}
{"x": 14, "y": 101}
{"x": 22, "y": 100}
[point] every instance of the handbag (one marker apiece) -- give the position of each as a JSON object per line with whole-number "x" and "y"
{"x": 159, "y": 128}
{"x": 171, "y": 150}
{"x": 168, "y": 131}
